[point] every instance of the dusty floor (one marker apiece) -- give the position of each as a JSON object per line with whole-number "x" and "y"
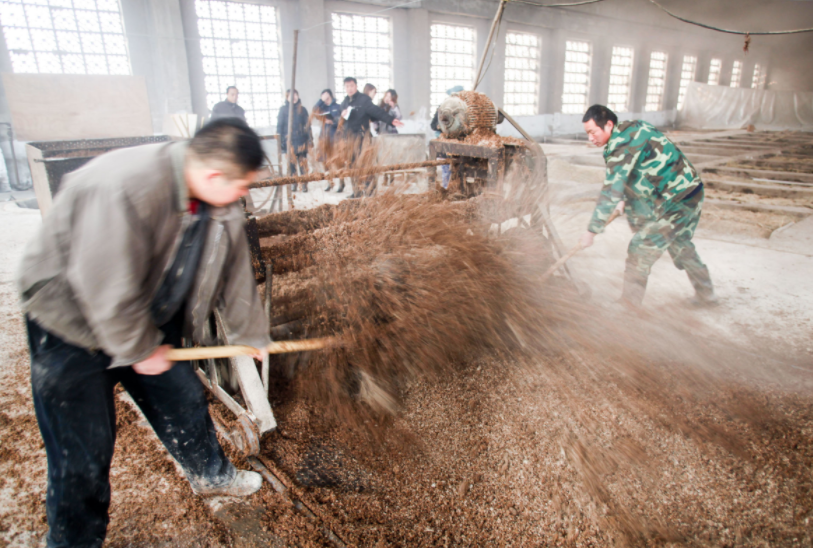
{"x": 691, "y": 427}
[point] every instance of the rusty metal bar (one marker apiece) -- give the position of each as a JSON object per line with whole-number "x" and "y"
{"x": 324, "y": 176}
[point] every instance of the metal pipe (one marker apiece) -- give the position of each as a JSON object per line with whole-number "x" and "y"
{"x": 291, "y": 152}
{"x": 350, "y": 172}
{"x": 267, "y": 474}
{"x": 265, "y": 471}
{"x": 269, "y": 278}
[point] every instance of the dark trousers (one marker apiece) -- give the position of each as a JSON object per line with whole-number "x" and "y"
{"x": 74, "y": 403}
{"x": 366, "y": 185}
{"x": 302, "y": 164}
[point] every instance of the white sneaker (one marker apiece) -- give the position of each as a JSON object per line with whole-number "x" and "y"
{"x": 245, "y": 483}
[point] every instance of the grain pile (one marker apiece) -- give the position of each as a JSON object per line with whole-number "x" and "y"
{"x": 410, "y": 284}
{"x": 475, "y": 407}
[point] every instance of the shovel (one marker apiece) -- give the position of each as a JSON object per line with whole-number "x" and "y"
{"x": 575, "y": 249}
{"x": 209, "y": 352}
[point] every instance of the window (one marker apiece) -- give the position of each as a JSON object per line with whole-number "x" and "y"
{"x": 620, "y": 79}
{"x": 687, "y": 74}
{"x": 657, "y": 81}
{"x": 64, "y": 37}
{"x": 758, "y": 81}
{"x": 362, "y": 48}
{"x": 577, "y": 77}
{"x": 241, "y": 47}
{"x": 736, "y": 74}
{"x": 521, "y": 74}
{"x": 715, "y": 68}
{"x": 452, "y": 62}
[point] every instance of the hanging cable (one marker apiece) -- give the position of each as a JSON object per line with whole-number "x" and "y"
{"x": 728, "y": 31}
{"x": 528, "y": 2}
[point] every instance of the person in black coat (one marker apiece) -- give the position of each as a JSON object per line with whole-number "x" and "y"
{"x": 302, "y": 137}
{"x": 229, "y": 108}
{"x": 357, "y": 111}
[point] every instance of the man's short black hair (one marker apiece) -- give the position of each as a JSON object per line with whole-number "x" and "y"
{"x": 230, "y": 141}
{"x": 600, "y": 115}
{"x": 351, "y": 79}
{"x": 228, "y": 89}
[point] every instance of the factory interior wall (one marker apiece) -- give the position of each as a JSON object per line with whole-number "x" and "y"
{"x": 163, "y": 47}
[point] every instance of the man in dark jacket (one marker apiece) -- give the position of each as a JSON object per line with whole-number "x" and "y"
{"x": 156, "y": 245}
{"x": 229, "y": 108}
{"x": 357, "y": 111}
{"x": 302, "y": 137}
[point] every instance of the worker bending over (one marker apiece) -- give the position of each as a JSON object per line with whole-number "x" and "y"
{"x": 141, "y": 245}
{"x": 663, "y": 195}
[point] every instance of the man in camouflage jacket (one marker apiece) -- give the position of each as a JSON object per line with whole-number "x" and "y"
{"x": 663, "y": 196}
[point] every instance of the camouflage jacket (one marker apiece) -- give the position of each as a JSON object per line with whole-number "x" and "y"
{"x": 645, "y": 169}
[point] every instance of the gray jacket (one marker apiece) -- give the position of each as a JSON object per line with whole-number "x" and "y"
{"x": 90, "y": 273}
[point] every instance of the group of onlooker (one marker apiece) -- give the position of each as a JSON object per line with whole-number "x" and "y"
{"x": 346, "y": 128}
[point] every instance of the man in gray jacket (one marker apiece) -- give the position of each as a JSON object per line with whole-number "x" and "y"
{"x": 141, "y": 245}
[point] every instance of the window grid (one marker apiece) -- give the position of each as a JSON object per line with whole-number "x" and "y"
{"x": 64, "y": 37}
{"x": 241, "y": 47}
{"x": 736, "y": 74}
{"x": 452, "y": 59}
{"x": 687, "y": 75}
{"x": 362, "y": 48}
{"x": 657, "y": 81}
{"x": 577, "y": 77}
{"x": 620, "y": 79}
{"x": 758, "y": 81}
{"x": 521, "y": 97}
{"x": 715, "y": 67}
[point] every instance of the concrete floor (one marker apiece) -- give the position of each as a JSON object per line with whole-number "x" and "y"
{"x": 764, "y": 284}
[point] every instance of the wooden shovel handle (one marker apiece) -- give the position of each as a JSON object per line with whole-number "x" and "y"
{"x": 575, "y": 249}
{"x": 208, "y": 352}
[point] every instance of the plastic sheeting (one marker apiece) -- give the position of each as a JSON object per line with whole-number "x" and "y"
{"x": 553, "y": 125}
{"x": 722, "y": 107}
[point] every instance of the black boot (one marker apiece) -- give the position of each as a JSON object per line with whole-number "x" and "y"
{"x": 341, "y": 186}
{"x": 704, "y": 289}
{"x": 634, "y": 288}
{"x": 329, "y": 187}
{"x": 304, "y": 187}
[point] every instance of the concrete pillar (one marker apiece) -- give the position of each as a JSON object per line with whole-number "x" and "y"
{"x": 155, "y": 34}
{"x": 8, "y": 174}
{"x": 545, "y": 71}
{"x": 556, "y": 73}
{"x": 702, "y": 73}
{"x": 289, "y": 20}
{"x": 640, "y": 78}
{"x": 600, "y": 71}
{"x": 418, "y": 84}
{"x": 312, "y": 66}
{"x": 482, "y": 27}
{"x": 401, "y": 59}
{"x": 674, "y": 66}
{"x": 496, "y": 72}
